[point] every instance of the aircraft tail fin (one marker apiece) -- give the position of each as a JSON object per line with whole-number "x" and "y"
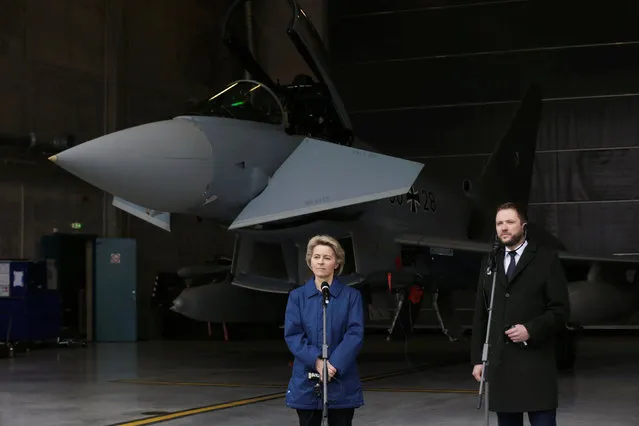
{"x": 508, "y": 174}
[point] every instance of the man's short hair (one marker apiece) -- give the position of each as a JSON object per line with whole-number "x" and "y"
{"x": 514, "y": 206}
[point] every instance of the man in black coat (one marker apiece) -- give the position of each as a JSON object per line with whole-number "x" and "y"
{"x": 531, "y": 303}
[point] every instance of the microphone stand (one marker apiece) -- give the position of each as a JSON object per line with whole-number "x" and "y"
{"x": 325, "y": 366}
{"x": 491, "y": 270}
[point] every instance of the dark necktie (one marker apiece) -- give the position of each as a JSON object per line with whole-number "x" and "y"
{"x": 512, "y": 265}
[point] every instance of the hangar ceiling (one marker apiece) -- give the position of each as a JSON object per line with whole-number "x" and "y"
{"x": 439, "y": 81}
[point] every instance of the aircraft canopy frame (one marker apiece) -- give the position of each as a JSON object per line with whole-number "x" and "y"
{"x": 245, "y": 99}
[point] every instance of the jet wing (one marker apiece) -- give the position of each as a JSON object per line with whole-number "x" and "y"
{"x": 159, "y": 219}
{"x": 444, "y": 246}
{"x": 320, "y": 176}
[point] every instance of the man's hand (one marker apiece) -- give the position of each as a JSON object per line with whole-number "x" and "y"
{"x": 518, "y": 333}
{"x": 477, "y": 369}
{"x": 319, "y": 366}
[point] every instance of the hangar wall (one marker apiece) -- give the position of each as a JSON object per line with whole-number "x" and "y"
{"x": 439, "y": 81}
{"x": 87, "y": 68}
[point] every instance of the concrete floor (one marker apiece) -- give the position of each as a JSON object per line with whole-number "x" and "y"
{"x": 427, "y": 381}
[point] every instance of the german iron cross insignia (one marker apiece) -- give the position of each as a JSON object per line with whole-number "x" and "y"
{"x": 412, "y": 198}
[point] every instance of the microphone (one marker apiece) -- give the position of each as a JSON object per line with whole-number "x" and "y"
{"x": 492, "y": 261}
{"x": 325, "y": 291}
{"x": 496, "y": 243}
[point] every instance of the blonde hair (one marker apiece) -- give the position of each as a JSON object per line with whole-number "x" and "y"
{"x": 326, "y": 240}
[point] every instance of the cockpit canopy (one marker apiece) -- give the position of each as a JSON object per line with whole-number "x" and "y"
{"x": 310, "y": 108}
{"x": 243, "y": 100}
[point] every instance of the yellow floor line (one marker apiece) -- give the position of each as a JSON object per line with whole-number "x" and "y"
{"x": 200, "y": 410}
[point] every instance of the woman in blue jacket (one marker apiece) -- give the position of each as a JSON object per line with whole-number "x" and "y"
{"x": 345, "y": 334}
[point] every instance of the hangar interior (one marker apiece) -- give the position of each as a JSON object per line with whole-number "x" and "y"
{"x": 108, "y": 319}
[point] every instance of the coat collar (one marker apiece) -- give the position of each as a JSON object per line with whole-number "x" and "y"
{"x": 310, "y": 290}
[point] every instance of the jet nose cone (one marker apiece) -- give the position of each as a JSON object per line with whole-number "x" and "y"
{"x": 165, "y": 166}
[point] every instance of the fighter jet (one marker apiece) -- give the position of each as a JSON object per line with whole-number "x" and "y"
{"x": 279, "y": 163}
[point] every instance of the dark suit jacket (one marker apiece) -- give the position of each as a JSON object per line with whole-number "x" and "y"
{"x": 522, "y": 378}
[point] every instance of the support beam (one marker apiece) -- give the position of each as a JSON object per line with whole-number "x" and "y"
{"x": 114, "y": 221}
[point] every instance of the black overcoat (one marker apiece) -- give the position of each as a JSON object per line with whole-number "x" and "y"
{"x": 522, "y": 378}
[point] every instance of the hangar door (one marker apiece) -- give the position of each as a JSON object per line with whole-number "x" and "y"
{"x": 115, "y": 290}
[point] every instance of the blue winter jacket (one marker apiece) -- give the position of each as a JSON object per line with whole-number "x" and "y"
{"x": 345, "y": 335}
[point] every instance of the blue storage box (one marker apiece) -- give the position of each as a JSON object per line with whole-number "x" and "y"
{"x": 28, "y": 310}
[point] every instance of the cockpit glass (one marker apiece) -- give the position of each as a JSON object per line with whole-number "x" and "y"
{"x": 243, "y": 100}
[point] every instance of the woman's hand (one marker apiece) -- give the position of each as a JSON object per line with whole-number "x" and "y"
{"x": 332, "y": 371}
{"x": 319, "y": 366}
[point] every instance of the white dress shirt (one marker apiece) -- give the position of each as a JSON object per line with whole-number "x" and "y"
{"x": 519, "y": 251}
